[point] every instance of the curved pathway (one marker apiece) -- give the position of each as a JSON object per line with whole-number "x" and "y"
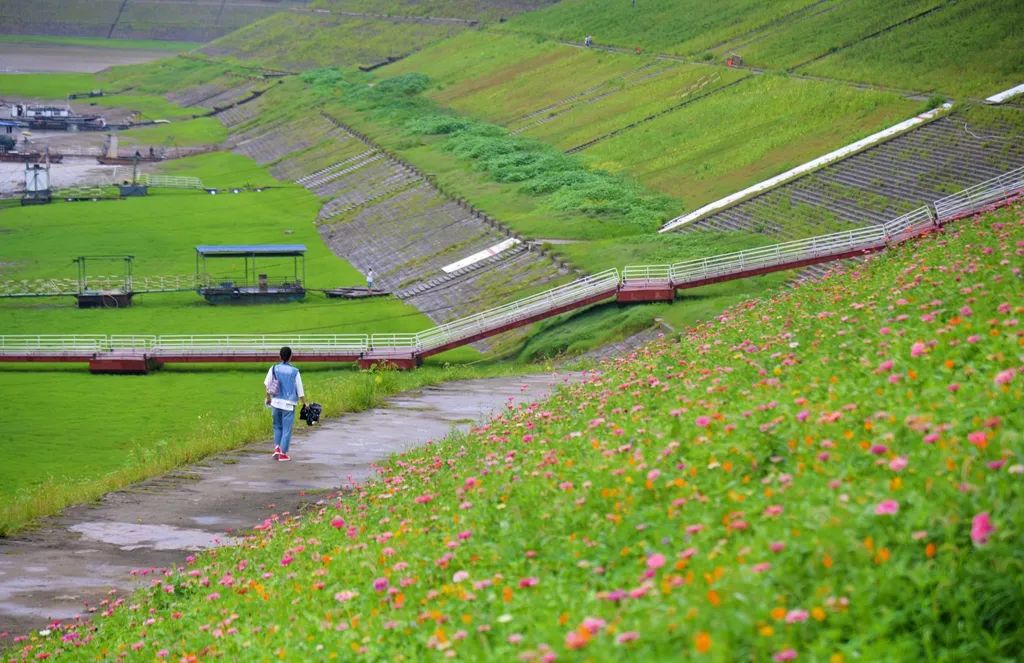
{"x": 70, "y": 564}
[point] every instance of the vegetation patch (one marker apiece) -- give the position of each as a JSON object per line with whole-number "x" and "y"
{"x": 772, "y": 486}
{"x": 539, "y": 170}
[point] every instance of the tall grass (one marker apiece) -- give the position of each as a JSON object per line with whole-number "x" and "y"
{"x": 563, "y": 182}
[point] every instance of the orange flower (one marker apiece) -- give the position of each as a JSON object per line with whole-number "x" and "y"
{"x": 778, "y": 612}
{"x": 702, "y": 641}
{"x": 929, "y": 550}
{"x": 714, "y": 598}
{"x": 826, "y": 561}
{"x": 818, "y": 613}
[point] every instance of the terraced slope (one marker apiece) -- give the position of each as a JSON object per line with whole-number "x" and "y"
{"x": 476, "y": 10}
{"x": 381, "y": 213}
{"x": 958, "y": 48}
{"x": 180, "y": 20}
{"x": 304, "y": 40}
{"x": 882, "y": 182}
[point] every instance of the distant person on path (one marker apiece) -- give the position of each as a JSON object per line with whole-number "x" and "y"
{"x": 588, "y": 41}
{"x": 284, "y": 389}
{"x": 369, "y": 279}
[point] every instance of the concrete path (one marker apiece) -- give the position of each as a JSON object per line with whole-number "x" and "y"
{"x": 74, "y": 559}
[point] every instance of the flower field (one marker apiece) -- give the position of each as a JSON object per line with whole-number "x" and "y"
{"x": 831, "y": 474}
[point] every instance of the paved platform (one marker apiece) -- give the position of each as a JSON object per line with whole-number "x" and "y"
{"x": 73, "y": 560}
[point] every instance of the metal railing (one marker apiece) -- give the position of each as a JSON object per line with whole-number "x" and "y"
{"x": 102, "y": 284}
{"x": 641, "y": 275}
{"x": 222, "y": 342}
{"x": 65, "y": 342}
{"x": 778, "y": 254}
{"x": 998, "y": 189}
{"x": 170, "y": 181}
{"x": 495, "y": 318}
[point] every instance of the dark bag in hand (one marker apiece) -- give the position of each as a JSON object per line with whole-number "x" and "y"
{"x": 311, "y": 413}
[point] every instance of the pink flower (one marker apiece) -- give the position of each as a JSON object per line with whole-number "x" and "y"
{"x": 656, "y": 561}
{"x": 337, "y": 522}
{"x": 460, "y": 576}
{"x": 626, "y": 636}
{"x": 773, "y": 510}
{"x": 347, "y": 595}
{"x": 565, "y": 485}
{"x": 784, "y": 655}
{"x": 527, "y": 438}
{"x": 528, "y": 582}
{"x": 1004, "y": 377}
{"x": 918, "y": 349}
{"x": 702, "y": 421}
{"x": 887, "y": 508}
{"x": 777, "y": 546}
{"x": 898, "y": 463}
{"x": 878, "y": 449}
{"x": 977, "y": 438}
{"x": 761, "y": 568}
{"x": 381, "y": 584}
{"x": 286, "y": 560}
{"x": 981, "y": 528}
{"x": 796, "y": 616}
{"x": 465, "y": 535}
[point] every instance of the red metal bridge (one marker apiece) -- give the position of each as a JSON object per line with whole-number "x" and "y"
{"x": 643, "y": 283}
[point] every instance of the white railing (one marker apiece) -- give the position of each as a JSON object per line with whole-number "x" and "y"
{"x": 222, "y": 342}
{"x": 394, "y": 342}
{"x": 64, "y": 342}
{"x": 169, "y": 283}
{"x": 646, "y": 274}
{"x": 778, "y": 254}
{"x": 38, "y": 287}
{"x": 911, "y": 224}
{"x": 516, "y": 311}
{"x": 170, "y": 181}
{"x": 997, "y": 189}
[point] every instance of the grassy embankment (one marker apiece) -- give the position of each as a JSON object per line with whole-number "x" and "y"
{"x": 327, "y": 40}
{"x": 101, "y": 432}
{"x": 98, "y": 42}
{"x": 774, "y": 486}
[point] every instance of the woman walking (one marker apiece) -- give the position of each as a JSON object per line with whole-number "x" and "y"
{"x": 284, "y": 390}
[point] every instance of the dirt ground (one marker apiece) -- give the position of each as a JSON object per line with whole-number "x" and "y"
{"x": 50, "y": 58}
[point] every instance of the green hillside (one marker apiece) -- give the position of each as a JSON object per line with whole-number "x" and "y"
{"x": 774, "y": 486}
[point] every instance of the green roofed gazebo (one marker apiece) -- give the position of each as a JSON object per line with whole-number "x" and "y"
{"x": 271, "y": 273}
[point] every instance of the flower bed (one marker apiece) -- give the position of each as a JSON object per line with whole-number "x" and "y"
{"x": 832, "y": 474}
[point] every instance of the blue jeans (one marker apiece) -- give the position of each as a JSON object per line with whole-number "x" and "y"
{"x": 283, "y": 420}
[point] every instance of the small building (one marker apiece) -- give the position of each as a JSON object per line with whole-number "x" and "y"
{"x": 264, "y": 277}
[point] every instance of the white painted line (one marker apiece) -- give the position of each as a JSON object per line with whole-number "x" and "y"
{"x": 1005, "y": 94}
{"x": 803, "y": 168}
{"x": 480, "y": 255}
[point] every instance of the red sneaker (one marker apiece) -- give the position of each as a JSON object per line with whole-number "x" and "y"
{"x": 282, "y": 457}
{"x": 277, "y": 451}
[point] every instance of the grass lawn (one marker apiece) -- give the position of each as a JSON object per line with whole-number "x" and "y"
{"x": 48, "y": 86}
{"x": 126, "y": 44}
{"x": 771, "y": 485}
{"x": 200, "y": 131}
